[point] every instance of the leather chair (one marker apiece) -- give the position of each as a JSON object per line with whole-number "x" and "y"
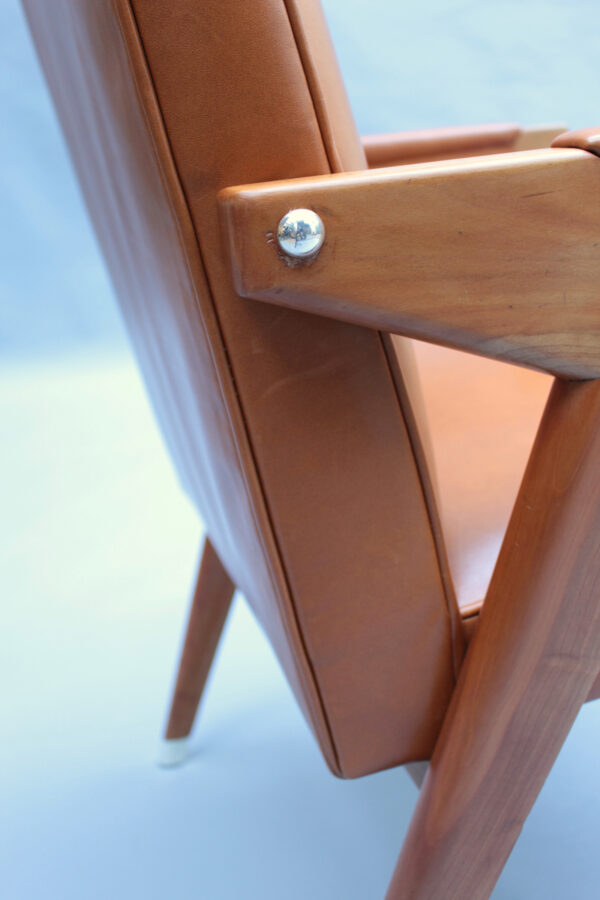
{"x": 364, "y": 491}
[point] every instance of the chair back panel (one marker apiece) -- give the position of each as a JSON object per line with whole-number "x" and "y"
{"x": 289, "y": 432}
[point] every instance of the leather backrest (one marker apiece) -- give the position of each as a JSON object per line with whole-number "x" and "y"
{"x": 292, "y": 434}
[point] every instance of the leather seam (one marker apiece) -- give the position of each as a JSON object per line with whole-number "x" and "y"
{"x": 302, "y": 57}
{"x": 444, "y": 575}
{"x": 316, "y": 689}
{"x": 443, "y": 572}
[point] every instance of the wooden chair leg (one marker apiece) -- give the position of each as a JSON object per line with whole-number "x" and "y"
{"x": 529, "y": 668}
{"x": 210, "y": 604}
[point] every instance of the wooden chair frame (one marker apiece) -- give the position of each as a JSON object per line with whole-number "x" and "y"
{"x": 435, "y": 251}
{"x": 496, "y": 255}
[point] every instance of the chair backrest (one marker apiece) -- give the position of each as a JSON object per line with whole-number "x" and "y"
{"x": 293, "y": 435}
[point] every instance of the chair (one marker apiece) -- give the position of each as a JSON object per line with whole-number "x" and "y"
{"x": 355, "y": 464}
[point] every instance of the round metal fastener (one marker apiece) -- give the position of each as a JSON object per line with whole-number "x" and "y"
{"x": 301, "y": 233}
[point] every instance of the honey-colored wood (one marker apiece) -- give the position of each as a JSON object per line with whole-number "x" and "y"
{"x": 582, "y": 139}
{"x": 470, "y": 626}
{"x": 210, "y": 604}
{"x": 427, "y": 145}
{"x": 498, "y": 255}
{"x": 530, "y": 666}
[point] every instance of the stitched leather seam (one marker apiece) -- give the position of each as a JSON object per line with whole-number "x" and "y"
{"x": 322, "y": 715}
{"x": 412, "y": 431}
{"x": 320, "y": 114}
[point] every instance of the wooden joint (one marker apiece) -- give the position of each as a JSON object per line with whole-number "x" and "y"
{"x": 583, "y": 139}
{"x": 498, "y": 255}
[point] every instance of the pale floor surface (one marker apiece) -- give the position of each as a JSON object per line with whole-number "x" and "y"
{"x": 97, "y": 553}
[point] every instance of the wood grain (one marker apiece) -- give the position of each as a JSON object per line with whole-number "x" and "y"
{"x": 530, "y": 666}
{"x": 210, "y": 604}
{"x": 470, "y": 624}
{"x": 498, "y": 255}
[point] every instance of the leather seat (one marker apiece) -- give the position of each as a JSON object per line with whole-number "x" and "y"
{"x": 482, "y": 418}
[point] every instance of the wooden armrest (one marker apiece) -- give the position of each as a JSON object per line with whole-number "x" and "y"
{"x": 497, "y": 255}
{"x": 583, "y": 139}
{"x": 435, "y": 144}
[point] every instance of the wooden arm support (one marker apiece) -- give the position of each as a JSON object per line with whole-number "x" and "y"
{"x": 528, "y": 670}
{"x": 583, "y": 139}
{"x": 404, "y": 147}
{"x": 498, "y": 255}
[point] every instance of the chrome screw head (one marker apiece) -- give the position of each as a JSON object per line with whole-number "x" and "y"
{"x": 301, "y": 233}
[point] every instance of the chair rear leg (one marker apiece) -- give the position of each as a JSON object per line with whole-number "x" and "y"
{"x": 210, "y": 604}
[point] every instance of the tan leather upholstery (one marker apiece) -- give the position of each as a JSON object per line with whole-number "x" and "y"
{"x": 303, "y": 442}
{"x": 289, "y": 432}
{"x": 482, "y": 418}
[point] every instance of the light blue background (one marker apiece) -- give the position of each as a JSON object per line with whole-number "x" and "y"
{"x": 97, "y": 545}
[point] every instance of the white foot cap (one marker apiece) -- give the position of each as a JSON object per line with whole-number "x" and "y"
{"x": 174, "y": 752}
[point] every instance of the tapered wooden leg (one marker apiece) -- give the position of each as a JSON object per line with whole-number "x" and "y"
{"x": 210, "y": 604}
{"x": 528, "y": 670}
